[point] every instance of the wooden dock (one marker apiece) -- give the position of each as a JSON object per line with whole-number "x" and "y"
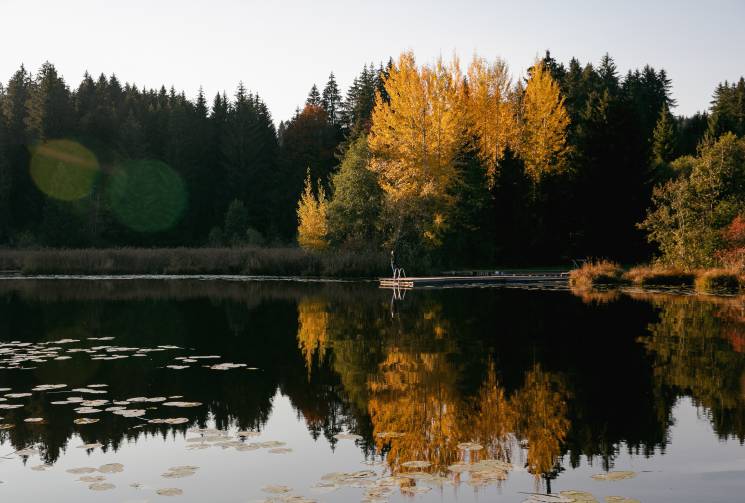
{"x": 473, "y": 280}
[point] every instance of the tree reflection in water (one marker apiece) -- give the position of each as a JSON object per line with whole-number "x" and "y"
{"x": 538, "y": 378}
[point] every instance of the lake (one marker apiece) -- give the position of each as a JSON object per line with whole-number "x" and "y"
{"x": 288, "y": 391}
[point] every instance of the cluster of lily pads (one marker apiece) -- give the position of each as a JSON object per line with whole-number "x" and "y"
{"x": 210, "y": 437}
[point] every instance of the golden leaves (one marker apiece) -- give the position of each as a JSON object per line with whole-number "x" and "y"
{"x": 311, "y": 212}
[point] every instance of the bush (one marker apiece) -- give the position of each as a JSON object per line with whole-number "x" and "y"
{"x": 660, "y": 276}
{"x": 718, "y": 281}
{"x": 599, "y": 272}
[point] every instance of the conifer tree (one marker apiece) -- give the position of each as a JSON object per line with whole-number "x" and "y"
{"x": 491, "y": 119}
{"x": 331, "y": 101}
{"x": 663, "y": 140}
{"x": 314, "y": 97}
{"x": 544, "y": 121}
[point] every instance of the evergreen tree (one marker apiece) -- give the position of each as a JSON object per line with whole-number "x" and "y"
{"x": 663, "y": 142}
{"x": 331, "y": 101}
{"x": 314, "y": 97}
{"x": 354, "y": 211}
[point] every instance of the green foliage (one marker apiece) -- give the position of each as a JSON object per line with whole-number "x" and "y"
{"x": 354, "y": 210}
{"x": 236, "y": 222}
{"x": 689, "y": 212}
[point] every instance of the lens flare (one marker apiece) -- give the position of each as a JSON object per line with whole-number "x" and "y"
{"x": 63, "y": 169}
{"x": 146, "y": 195}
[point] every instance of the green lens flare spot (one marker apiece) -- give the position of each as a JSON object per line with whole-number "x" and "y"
{"x": 63, "y": 169}
{"x": 147, "y": 196}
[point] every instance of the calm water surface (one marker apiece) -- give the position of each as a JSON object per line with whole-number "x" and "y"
{"x": 337, "y": 388}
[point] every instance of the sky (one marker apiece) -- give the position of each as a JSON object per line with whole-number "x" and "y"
{"x": 279, "y": 48}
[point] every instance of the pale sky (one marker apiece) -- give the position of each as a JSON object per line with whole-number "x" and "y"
{"x": 279, "y": 48}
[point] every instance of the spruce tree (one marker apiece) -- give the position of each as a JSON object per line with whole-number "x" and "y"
{"x": 331, "y": 101}
{"x": 314, "y": 97}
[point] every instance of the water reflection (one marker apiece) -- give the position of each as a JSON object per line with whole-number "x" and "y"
{"x": 540, "y": 380}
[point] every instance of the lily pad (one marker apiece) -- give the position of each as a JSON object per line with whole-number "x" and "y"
{"x": 619, "y": 475}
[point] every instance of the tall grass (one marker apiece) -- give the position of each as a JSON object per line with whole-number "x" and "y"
{"x": 718, "y": 281}
{"x": 660, "y": 276}
{"x": 598, "y": 272}
{"x": 244, "y": 260}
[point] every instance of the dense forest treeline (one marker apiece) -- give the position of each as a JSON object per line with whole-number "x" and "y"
{"x": 108, "y": 164}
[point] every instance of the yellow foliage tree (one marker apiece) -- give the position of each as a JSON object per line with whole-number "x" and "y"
{"x": 491, "y": 116}
{"x": 415, "y": 136}
{"x": 312, "y": 228}
{"x": 543, "y": 123}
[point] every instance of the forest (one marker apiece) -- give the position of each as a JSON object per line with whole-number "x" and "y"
{"x": 454, "y": 166}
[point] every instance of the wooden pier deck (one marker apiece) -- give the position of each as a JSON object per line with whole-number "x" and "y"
{"x": 472, "y": 280}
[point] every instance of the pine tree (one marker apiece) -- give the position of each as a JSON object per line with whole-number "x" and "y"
{"x": 314, "y": 97}
{"x": 663, "y": 141}
{"x": 312, "y": 231}
{"x": 49, "y": 107}
{"x": 331, "y": 101}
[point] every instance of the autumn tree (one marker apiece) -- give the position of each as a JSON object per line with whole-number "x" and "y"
{"x": 414, "y": 139}
{"x": 311, "y": 212}
{"x": 490, "y": 114}
{"x": 544, "y": 121}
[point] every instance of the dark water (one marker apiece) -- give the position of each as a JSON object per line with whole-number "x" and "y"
{"x": 554, "y": 386}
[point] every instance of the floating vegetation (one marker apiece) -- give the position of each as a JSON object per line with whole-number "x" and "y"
{"x": 226, "y": 366}
{"x": 18, "y": 395}
{"x": 416, "y": 464}
{"x": 390, "y": 434}
{"x": 101, "y": 486}
{"x": 90, "y": 446}
{"x": 178, "y": 472}
{"x": 85, "y": 420}
{"x": 276, "y": 489}
{"x": 347, "y": 436}
{"x": 170, "y": 491}
{"x": 182, "y": 404}
{"x": 111, "y": 468}
{"x": 130, "y": 412}
{"x": 4, "y": 406}
{"x": 470, "y": 446}
{"x": 92, "y": 478}
{"x": 48, "y": 387}
{"x": 34, "y": 420}
{"x": 41, "y": 468}
{"x": 619, "y": 475}
{"x": 548, "y": 498}
{"x": 177, "y": 367}
{"x": 174, "y": 420}
{"x": 620, "y": 499}
{"x": 81, "y": 470}
{"x": 280, "y": 450}
{"x": 579, "y": 496}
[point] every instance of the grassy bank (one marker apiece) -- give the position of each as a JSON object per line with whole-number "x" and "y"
{"x": 606, "y": 273}
{"x": 243, "y": 260}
